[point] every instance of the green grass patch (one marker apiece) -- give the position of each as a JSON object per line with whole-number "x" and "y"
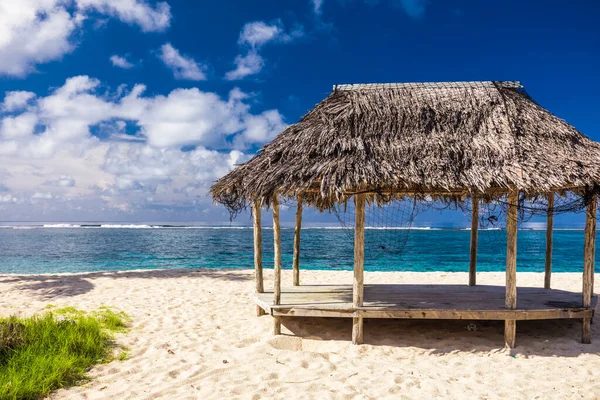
{"x": 46, "y": 352}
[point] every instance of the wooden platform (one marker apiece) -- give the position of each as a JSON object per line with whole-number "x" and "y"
{"x": 426, "y": 302}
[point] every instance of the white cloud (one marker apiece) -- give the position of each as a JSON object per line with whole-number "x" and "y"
{"x": 121, "y": 62}
{"x": 260, "y": 128}
{"x": 14, "y": 101}
{"x": 192, "y": 117}
{"x": 34, "y": 32}
{"x": 7, "y": 198}
{"x": 253, "y": 36}
{"x": 136, "y": 12}
{"x": 62, "y": 181}
{"x": 49, "y": 156}
{"x": 22, "y": 125}
{"x": 44, "y": 196}
{"x": 258, "y": 33}
{"x": 250, "y": 64}
{"x": 183, "y": 67}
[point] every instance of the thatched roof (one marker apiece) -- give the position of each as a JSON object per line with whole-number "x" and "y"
{"x": 428, "y": 137}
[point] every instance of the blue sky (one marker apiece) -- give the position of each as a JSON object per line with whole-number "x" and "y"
{"x": 128, "y": 110}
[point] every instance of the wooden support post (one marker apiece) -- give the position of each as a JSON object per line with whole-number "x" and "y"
{"x": 276, "y": 264}
{"x": 258, "y": 267}
{"x": 589, "y": 250}
{"x": 510, "y": 302}
{"x": 549, "y": 227}
{"x": 298, "y": 227}
{"x": 474, "y": 234}
{"x": 359, "y": 263}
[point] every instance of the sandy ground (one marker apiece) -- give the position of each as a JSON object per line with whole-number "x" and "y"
{"x": 195, "y": 335}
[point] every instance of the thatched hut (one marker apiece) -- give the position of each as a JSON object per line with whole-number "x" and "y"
{"x": 488, "y": 141}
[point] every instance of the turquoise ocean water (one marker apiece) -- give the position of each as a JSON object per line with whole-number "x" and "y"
{"x": 38, "y": 249}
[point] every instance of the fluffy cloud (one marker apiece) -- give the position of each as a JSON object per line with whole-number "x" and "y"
{"x": 88, "y": 152}
{"x": 183, "y": 67}
{"x": 121, "y": 62}
{"x": 62, "y": 181}
{"x": 253, "y": 36}
{"x": 136, "y": 12}
{"x": 14, "y": 101}
{"x": 258, "y": 33}
{"x": 38, "y": 31}
{"x": 43, "y": 196}
{"x": 250, "y": 64}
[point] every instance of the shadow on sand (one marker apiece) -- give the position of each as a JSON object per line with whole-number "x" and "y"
{"x": 48, "y": 287}
{"x": 547, "y": 338}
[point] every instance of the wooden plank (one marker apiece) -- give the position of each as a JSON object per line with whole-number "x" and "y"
{"x": 359, "y": 265}
{"x": 474, "y": 234}
{"x": 486, "y": 315}
{"x": 258, "y": 267}
{"x": 276, "y": 263}
{"x": 589, "y": 250}
{"x": 549, "y": 228}
{"x": 297, "y": 229}
{"x": 511, "y": 265}
{"x": 416, "y": 296}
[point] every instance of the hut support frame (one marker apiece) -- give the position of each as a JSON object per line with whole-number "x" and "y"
{"x": 304, "y": 301}
{"x": 276, "y": 264}
{"x": 297, "y": 229}
{"x": 510, "y": 325}
{"x": 258, "y": 267}
{"x": 589, "y": 247}
{"x": 549, "y": 228}
{"x": 474, "y": 235}
{"x": 359, "y": 264}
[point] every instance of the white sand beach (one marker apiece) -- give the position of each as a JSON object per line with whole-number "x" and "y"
{"x": 195, "y": 335}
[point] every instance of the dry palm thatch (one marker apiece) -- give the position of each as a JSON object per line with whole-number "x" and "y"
{"x": 442, "y": 139}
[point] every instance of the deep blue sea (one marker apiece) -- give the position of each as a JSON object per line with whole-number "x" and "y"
{"x": 50, "y": 250}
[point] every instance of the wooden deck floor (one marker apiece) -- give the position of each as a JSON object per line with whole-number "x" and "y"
{"x": 426, "y": 302}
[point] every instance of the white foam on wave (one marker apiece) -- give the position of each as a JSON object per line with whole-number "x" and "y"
{"x": 210, "y": 227}
{"x": 373, "y": 228}
{"x": 128, "y": 226}
{"x": 61, "y": 226}
{"x": 400, "y": 228}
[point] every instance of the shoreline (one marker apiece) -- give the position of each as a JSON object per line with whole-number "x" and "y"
{"x": 284, "y": 268}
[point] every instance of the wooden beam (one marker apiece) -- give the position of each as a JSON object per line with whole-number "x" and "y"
{"x": 510, "y": 300}
{"x": 474, "y": 234}
{"x": 258, "y": 267}
{"x": 485, "y": 315}
{"x": 589, "y": 250}
{"x": 549, "y": 228}
{"x": 359, "y": 264}
{"x": 276, "y": 264}
{"x": 297, "y": 229}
